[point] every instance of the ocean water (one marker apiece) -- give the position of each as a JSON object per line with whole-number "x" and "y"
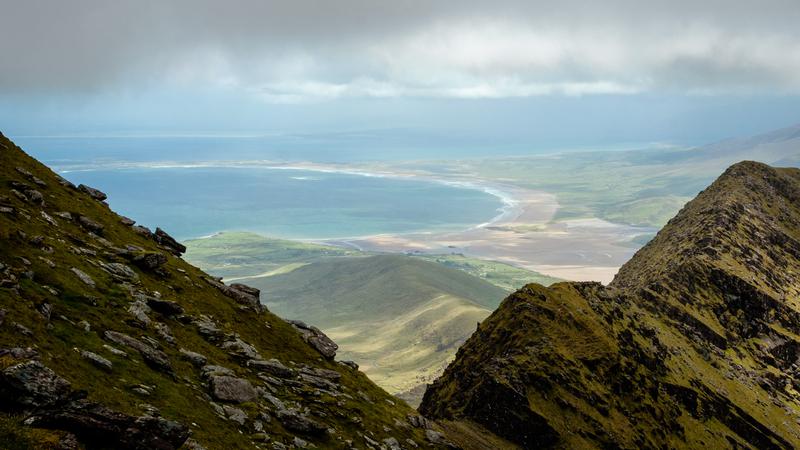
{"x": 386, "y": 145}
{"x": 292, "y": 204}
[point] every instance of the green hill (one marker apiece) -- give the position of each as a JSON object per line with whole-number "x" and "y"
{"x": 369, "y": 288}
{"x": 108, "y": 339}
{"x": 695, "y": 344}
{"x": 238, "y": 255}
{"x": 400, "y": 318}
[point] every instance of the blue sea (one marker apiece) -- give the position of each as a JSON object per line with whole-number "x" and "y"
{"x": 292, "y": 204}
{"x": 194, "y": 202}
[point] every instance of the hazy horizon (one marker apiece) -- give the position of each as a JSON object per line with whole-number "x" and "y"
{"x": 511, "y": 77}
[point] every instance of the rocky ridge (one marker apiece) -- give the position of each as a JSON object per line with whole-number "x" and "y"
{"x": 696, "y": 342}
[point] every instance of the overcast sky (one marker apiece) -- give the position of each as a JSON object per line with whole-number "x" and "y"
{"x": 84, "y": 66}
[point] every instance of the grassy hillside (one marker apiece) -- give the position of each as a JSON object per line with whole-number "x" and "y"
{"x": 694, "y": 345}
{"x": 369, "y": 288}
{"x": 400, "y": 318}
{"x": 89, "y": 303}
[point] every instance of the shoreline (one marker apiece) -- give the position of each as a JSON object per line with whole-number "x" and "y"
{"x": 508, "y": 201}
{"x": 522, "y": 233}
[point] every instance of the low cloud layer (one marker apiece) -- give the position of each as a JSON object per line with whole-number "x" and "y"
{"x": 301, "y": 50}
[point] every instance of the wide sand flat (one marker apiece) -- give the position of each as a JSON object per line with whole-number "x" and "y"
{"x": 525, "y": 235}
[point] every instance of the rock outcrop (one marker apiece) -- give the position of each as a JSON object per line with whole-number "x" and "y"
{"x": 94, "y": 193}
{"x": 244, "y": 295}
{"x": 48, "y": 400}
{"x": 29, "y": 384}
{"x": 167, "y": 241}
{"x": 316, "y": 339}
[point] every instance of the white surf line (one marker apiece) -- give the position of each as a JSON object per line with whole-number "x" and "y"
{"x": 511, "y": 206}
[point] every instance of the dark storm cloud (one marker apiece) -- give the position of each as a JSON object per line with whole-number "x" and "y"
{"x": 298, "y": 49}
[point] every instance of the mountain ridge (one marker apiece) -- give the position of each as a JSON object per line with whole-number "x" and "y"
{"x": 695, "y": 342}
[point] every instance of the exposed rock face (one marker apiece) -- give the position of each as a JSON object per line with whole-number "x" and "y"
{"x": 90, "y": 224}
{"x": 232, "y": 389}
{"x": 239, "y": 348}
{"x": 169, "y": 242}
{"x": 34, "y": 196}
{"x": 693, "y": 345}
{"x": 107, "y": 428}
{"x": 139, "y": 310}
{"x": 83, "y": 276}
{"x": 316, "y": 338}
{"x": 165, "y": 307}
{"x": 244, "y": 297}
{"x": 193, "y": 357}
{"x": 150, "y": 260}
{"x": 151, "y": 356}
{"x": 272, "y": 367}
{"x": 142, "y": 231}
{"x": 94, "y": 193}
{"x": 212, "y": 370}
{"x": 295, "y": 421}
{"x": 246, "y": 289}
{"x": 97, "y": 360}
{"x": 31, "y": 384}
{"x": 121, "y": 272}
{"x": 207, "y": 328}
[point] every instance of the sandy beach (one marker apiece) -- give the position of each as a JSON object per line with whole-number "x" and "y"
{"x": 524, "y": 234}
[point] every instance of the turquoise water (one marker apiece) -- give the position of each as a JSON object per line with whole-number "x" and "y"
{"x": 295, "y": 204}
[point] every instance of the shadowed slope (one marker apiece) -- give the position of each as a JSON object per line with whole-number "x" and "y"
{"x": 694, "y": 344}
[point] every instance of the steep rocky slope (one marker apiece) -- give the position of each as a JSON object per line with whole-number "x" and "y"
{"x": 696, "y": 343}
{"x": 108, "y": 339}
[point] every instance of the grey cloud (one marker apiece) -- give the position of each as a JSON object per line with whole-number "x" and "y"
{"x": 292, "y": 49}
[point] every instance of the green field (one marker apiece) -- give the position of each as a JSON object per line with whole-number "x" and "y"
{"x": 237, "y": 256}
{"x": 504, "y": 276}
